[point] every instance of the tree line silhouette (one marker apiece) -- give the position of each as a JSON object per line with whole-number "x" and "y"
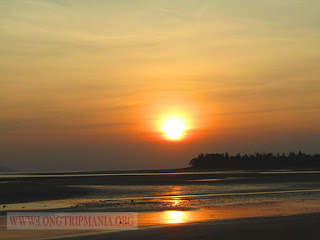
{"x": 257, "y": 161}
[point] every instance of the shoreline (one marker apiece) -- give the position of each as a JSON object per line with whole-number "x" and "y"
{"x": 210, "y": 203}
{"x": 294, "y": 226}
{"x": 211, "y": 220}
{"x": 34, "y": 188}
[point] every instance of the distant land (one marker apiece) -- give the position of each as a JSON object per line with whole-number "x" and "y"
{"x": 256, "y": 161}
{"x": 221, "y": 161}
{"x": 6, "y": 169}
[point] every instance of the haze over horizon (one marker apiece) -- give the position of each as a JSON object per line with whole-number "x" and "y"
{"x": 86, "y": 85}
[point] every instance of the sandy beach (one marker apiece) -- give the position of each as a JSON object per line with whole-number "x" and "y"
{"x": 304, "y": 226}
{"x": 171, "y": 204}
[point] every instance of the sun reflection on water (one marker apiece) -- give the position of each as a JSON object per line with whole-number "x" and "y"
{"x": 175, "y": 216}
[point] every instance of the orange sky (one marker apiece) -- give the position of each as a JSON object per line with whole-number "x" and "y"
{"x": 84, "y": 84}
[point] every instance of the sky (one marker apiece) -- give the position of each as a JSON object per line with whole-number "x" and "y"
{"x": 86, "y": 85}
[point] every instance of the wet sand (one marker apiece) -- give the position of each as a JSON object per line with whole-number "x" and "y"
{"x": 192, "y": 205}
{"x": 304, "y": 226}
{"x": 211, "y": 220}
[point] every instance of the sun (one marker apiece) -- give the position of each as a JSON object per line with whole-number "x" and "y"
{"x": 174, "y": 128}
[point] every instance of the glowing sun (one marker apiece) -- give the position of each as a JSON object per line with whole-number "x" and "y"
{"x": 174, "y": 128}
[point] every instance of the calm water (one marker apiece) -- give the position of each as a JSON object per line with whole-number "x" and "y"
{"x": 54, "y": 175}
{"x": 147, "y": 191}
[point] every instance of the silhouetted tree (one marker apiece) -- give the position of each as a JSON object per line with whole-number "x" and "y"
{"x": 256, "y": 161}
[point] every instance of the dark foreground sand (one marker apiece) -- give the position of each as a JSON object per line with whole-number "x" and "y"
{"x": 302, "y": 226}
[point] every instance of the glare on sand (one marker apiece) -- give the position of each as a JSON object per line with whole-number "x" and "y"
{"x": 174, "y": 128}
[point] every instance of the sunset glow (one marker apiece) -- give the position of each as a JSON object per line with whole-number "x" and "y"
{"x": 147, "y": 84}
{"x": 167, "y": 118}
{"x": 174, "y": 128}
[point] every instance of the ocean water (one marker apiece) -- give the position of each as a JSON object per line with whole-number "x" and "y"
{"x": 147, "y": 191}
